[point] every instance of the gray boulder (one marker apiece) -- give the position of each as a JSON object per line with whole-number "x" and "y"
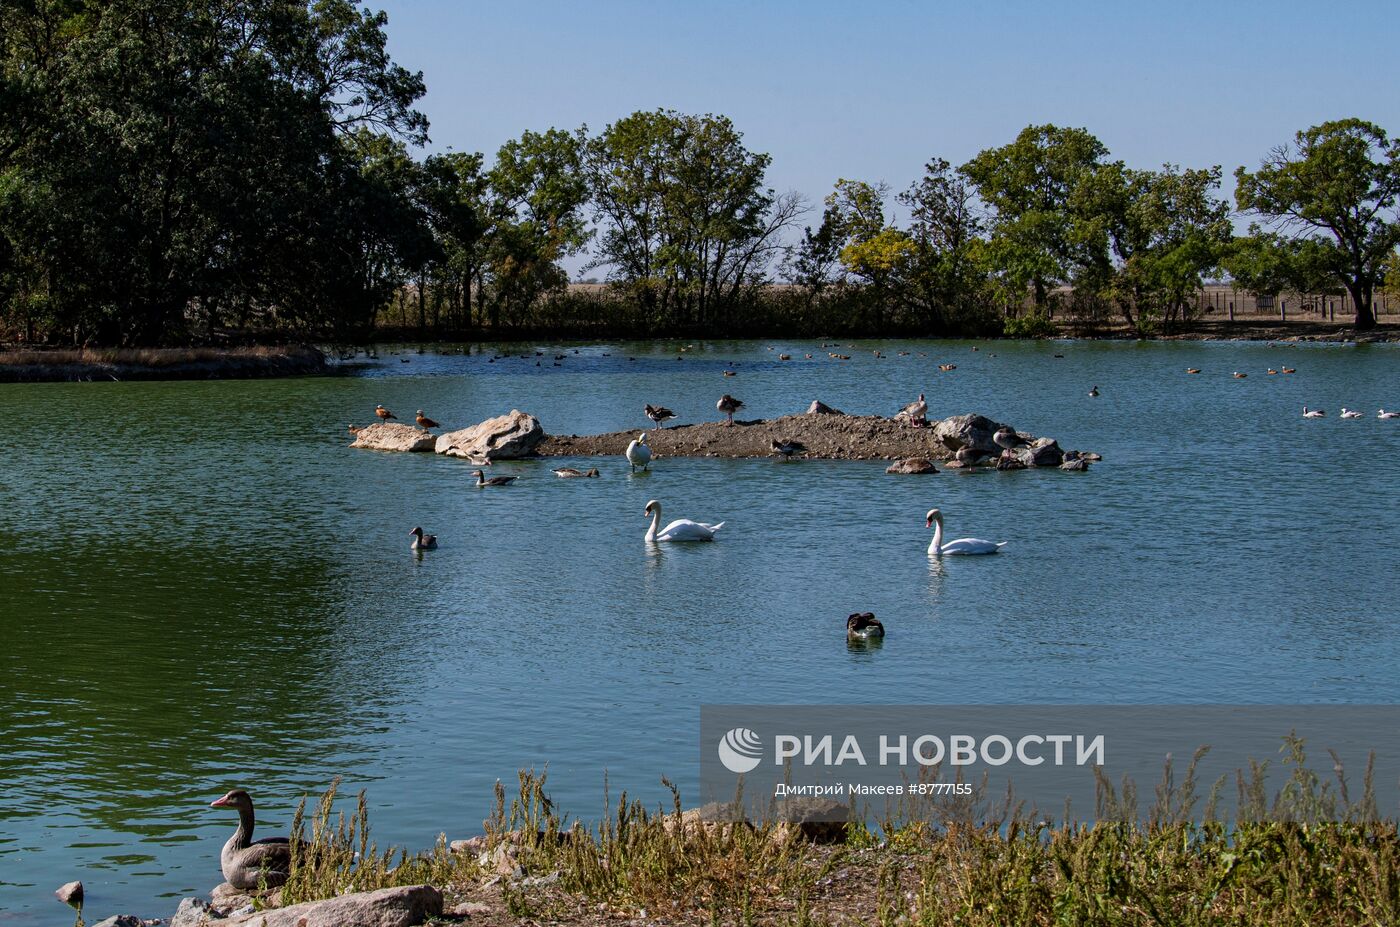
{"x": 70, "y": 893}
{"x": 121, "y": 920}
{"x": 818, "y": 820}
{"x": 971, "y": 430}
{"x": 388, "y": 907}
{"x": 912, "y": 465}
{"x": 194, "y": 912}
{"x": 820, "y": 408}
{"x": 505, "y": 437}
{"x": 393, "y": 436}
{"x": 1045, "y": 452}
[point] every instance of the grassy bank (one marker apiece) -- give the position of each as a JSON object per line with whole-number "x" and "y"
{"x": 533, "y": 865}
{"x": 83, "y": 364}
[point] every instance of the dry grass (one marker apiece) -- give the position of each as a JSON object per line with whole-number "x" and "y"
{"x": 140, "y": 357}
{"x": 157, "y": 363}
{"x": 537, "y": 867}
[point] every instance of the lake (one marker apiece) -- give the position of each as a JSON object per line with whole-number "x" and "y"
{"x": 202, "y": 587}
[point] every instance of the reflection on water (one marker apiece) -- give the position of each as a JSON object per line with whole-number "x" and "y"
{"x": 201, "y": 587}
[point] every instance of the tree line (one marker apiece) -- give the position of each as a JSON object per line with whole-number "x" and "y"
{"x": 178, "y": 171}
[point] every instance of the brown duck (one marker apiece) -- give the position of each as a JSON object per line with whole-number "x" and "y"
{"x": 247, "y": 864}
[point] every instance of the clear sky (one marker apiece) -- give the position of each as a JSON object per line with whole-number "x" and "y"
{"x": 873, "y": 90}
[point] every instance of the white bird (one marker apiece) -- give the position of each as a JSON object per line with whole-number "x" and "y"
{"x": 1313, "y": 413}
{"x": 638, "y": 454}
{"x": 1384, "y": 414}
{"x": 1349, "y": 413}
{"x": 934, "y": 519}
{"x": 682, "y": 529}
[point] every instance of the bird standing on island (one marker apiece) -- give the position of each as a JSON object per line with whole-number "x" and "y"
{"x": 864, "y": 626}
{"x": 917, "y": 411}
{"x": 424, "y": 422}
{"x": 659, "y": 415}
{"x": 481, "y": 479}
{"x": 383, "y": 413}
{"x": 422, "y": 541}
{"x": 729, "y": 405}
{"x": 787, "y": 448}
{"x": 638, "y": 454}
{"x": 246, "y": 864}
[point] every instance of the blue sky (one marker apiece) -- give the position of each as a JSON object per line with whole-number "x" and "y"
{"x": 873, "y": 90}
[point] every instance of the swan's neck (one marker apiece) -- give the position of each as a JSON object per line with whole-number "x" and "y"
{"x": 655, "y": 522}
{"x": 936, "y": 546}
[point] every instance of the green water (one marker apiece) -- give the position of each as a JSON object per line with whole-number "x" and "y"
{"x": 202, "y": 587}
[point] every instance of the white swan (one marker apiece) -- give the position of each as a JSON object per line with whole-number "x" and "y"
{"x": 1313, "y": 413}
{"x": 1349, "y": 413}
{"x": 1384, "y": 414}
{"x": 682, "y": 529}
{"x": 638, "y": 454}
{"x": 969, "y": 546}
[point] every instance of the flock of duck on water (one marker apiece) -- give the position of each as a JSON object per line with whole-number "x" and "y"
{"x": 1307, "y": 412}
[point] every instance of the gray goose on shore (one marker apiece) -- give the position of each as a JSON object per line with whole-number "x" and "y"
{"x": 916, "y": 411}
{"x": 729, "y": 405}
{"x": 247, "y": 864}
{"x": 659, "y": 415}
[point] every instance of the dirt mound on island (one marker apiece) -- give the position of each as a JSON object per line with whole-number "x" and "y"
{"x": 830, "y": 436}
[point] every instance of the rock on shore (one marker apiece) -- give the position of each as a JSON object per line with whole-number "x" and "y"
{"x": 505, "y": 437}
{"x": 405, "y": 906}
{"x": 393, "y": 436}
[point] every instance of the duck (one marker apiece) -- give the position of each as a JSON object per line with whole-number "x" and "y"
{"x": 731, "y": 373}
{"x": 682, "y": 529}
{"x": 383, "y": 413}
{"x": 1272, "y": 372}
{"x": 1193, "y": 369}
{"x": 1239, "y": 376}
{"x": 574, "y": 473}
{"x": 787, "y": 448}
{"x": 966, "y": 546}
{"x": 638, "y": 454}
{"x": 246, "y": 864}
{"x": 784, "y": 357}
{"x": 1289, "y": 369}
{"x": 864, "y": 626}
{"x": 1313, "y": 413}
{"x": 659, "y": 415}
{"x": 947, "y": 367}
{"x": 422, "y": 541}
{"x": 424, "y": 422}
{"x": 481, "y": 479}
{"x": 1384, "y": 414}
{"x": 1093, "y": 391}
{"x": 1349, "y": 413}
{"x": 729, "y": 405}
{"x": 1005, "y": 437}
{"x": 916, "y": 411}
{"x": 353, "y": 429}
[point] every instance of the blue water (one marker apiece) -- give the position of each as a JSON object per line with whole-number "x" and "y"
{"x": 202, "y": 587}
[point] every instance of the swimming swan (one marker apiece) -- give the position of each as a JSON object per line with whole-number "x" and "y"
{"x": 934, "y": 519}
{"x": 682, "y": 529}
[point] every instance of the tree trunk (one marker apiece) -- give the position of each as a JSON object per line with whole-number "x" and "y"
{"x": 1365, "y": 318}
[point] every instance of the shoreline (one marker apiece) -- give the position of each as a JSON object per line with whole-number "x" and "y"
{"x": 53, "y": 365}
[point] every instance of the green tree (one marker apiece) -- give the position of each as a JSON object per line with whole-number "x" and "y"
{"x": 944, "y": 276}
{"x": 1029, "y": 186}
{"x": 1336, "y": 184}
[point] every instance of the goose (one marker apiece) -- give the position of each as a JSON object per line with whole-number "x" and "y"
{"x": 729, "y": 405}
{"x": 864, "y": 626}
{"x": 1006, "y": 438}
{"x": 573, "y": 473}
{"x": 968, "y": 456}
{"x": 787, "y": 448}
{"x": 424, "y": 422}
{"x": 1349, "y": 413}
{"x": 246, "y": 864}
{"x": 481, "y": 479}
{"x": 682, "y": 529}
{"x": 1313, "y": 413}
{"x": 659, "y": 415}
{"x": 422, "y": 541}
{"x": 638, "y": 454}
{"x": 969, "y": 546}
{"x": 1384, "y": 414}
{"x": 917, "y": 411}
{"x": 383, "y": 413}
{"x": 1093, "y": 391}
